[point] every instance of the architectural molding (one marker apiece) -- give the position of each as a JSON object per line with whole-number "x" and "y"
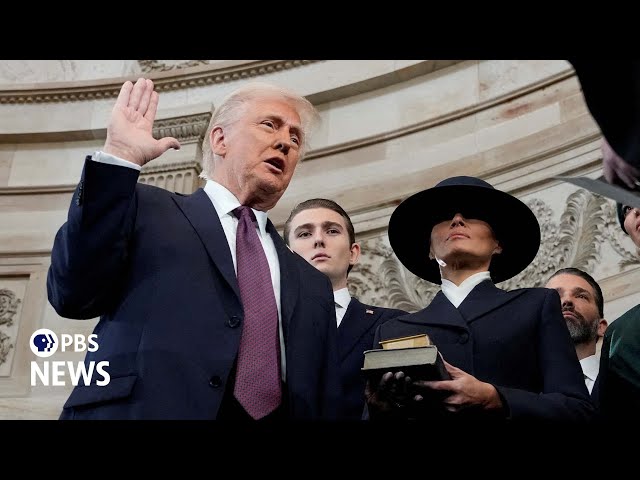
{"x": 171, "y": 167}
{"x": 180, "y": 177}
{"x": 186, "y": 129}
{"x": 164, "y": 81}
{"x": 438, "y": 120}
{"x": 148, "y": 66}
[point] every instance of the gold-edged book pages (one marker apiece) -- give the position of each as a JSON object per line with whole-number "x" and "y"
{"x": 412, "y": 341}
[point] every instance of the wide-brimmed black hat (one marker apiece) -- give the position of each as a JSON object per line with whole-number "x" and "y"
{"x": 619, "y": 209}
{"x": 513, "y": 223}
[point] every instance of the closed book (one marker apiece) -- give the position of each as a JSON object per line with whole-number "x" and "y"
{"x": 419, "y": 363}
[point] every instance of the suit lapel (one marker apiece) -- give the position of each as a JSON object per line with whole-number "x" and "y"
{"x": 484, "y": 298}
{"x": 203, "y": 217}
{"x": 289, "y": 277}
{"x": 355, "y": 323}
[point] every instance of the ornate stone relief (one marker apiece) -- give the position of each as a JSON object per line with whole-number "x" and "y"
{"x": 8, "y": 308}
{"x": 586, "y": 224}
{"x": 155, "y": 66}
{"x": 186, "y": 129}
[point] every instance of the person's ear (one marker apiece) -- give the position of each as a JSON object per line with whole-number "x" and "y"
{"x": 602, "y": 327}
{"x": 217, "y": 139}
{"x": 497, "y": 250}
{"x": 354, "y": 255}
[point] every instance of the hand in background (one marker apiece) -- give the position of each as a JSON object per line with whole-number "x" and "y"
{"x": 616, "y": 170}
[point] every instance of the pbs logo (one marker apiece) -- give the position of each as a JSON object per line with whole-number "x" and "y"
{"x": 44, "y": 342}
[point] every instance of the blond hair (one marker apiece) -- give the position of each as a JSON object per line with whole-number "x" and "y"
{"x": 231, "y": 108}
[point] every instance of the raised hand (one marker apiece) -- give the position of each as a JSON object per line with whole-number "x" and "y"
{"x": 129, "y": 133}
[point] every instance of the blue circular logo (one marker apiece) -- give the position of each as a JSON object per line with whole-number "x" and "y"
{"x": 43, "y": 342}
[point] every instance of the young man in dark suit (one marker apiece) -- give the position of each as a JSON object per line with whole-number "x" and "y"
{"x": 204, "y": 312}
{"x": 321, "y": 232}
{"x": 509, "y": 353}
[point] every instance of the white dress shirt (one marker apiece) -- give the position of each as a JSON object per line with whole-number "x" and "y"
{"x": 457, "y": 293}
{"x": 342, "y": 300}
{"x": 224, "y": 203}
{"x": 590, "y": 367}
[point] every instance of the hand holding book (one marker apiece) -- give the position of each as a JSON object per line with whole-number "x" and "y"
{"x": 462, "y": 392}
{"x": 408, "y": 378}
{"x": 392, "y": 370}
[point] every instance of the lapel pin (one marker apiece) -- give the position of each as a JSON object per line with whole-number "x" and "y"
{"x": 370, "y": 312}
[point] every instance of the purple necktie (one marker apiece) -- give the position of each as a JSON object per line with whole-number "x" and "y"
{"x": 258, "y": 383}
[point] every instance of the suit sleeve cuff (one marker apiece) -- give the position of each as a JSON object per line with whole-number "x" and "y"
{"x": 102, "y": 157}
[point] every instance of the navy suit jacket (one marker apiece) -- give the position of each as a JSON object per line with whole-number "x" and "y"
{"x": 517, "y": 340}
{"x": 156, "y": 267}
{"x": 355, "y": 335}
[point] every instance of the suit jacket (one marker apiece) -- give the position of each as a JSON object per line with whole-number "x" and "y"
{"x": 355, "y": 335}
{"x": 619, "y": 375}
{"x": 518, "y": 341}
{"x": 156, "y": 267}
{"x": 611, "y": 91}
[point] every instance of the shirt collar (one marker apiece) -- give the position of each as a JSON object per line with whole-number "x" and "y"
{"x": 465, "y": 287}
{"x": 225, "y": 202}
{"x": 590, "y": 366}
{"x": 342, "y": 297}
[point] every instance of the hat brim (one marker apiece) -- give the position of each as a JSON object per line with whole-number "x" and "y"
{"x": 513, "y": 223}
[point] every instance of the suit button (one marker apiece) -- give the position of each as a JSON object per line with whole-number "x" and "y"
{"x": 234, "y": 321}
{"x": 464, "y": 338}
{"x": 215, "y": 381}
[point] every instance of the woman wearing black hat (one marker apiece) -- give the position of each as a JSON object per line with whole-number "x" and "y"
{"x": 509, "y": 354}
{"x": 619, "y": 378}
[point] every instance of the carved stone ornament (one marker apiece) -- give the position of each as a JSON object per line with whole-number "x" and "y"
{"x": 8, "y": 306}
{"x": 5, "y": 346}
{"x": 155, "y": 66}
{"x": 587, "y": 222}
{"x": 186, "y": 129}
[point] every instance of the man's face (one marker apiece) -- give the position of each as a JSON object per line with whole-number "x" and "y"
{"x": 259, "y": 152}
{"x": 463, "y": 239}
{"x": 579, "y": 306}
{"x": 632, "y": 224}
{"x": 320, "y": 236}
